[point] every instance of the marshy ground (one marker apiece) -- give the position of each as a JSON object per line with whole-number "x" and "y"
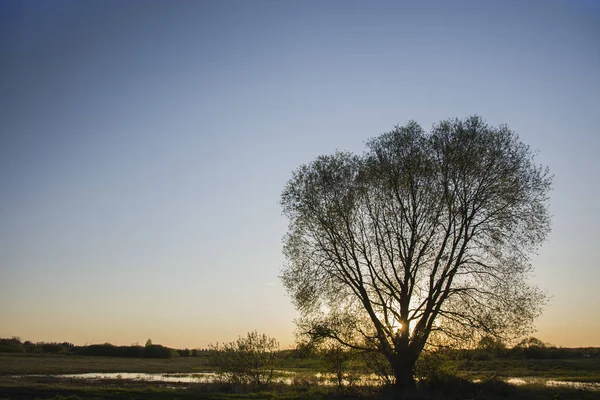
{"x": 29, "y": 376}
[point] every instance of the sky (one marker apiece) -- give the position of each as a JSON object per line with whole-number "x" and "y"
{"x": 144, "y": 146}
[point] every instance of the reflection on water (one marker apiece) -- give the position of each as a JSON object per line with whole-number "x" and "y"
{"x": 286, "y": 377}
{"x": 199, "y": 377}
{"x": 577, "y": 385}
{"x": 516, "y": 381}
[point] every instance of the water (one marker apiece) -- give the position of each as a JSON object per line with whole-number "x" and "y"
{"x": 286, "y": 377}
{"x": 578, "y": 385}
{"x": 199, "y": 377}
{"x": 281, "y": 376}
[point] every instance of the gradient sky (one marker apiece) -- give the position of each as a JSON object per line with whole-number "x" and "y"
{"x": 144, "y": 146}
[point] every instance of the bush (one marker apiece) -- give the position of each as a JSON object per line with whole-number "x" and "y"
{"x": 250, "y": 360}
{"x": 436, "y": 368}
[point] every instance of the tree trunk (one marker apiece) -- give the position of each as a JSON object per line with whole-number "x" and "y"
{"x": 404, "y": 370}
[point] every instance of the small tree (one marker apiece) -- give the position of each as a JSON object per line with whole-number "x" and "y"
{"x": 336, "y": 358}
{"x": 248, "y": 360}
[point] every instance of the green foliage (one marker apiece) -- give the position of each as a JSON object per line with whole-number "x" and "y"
{"x": 436, "y": 368}
{"x": 249, "y": 360}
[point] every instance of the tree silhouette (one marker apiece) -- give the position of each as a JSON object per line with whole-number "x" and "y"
{"x": 425, "y": 237}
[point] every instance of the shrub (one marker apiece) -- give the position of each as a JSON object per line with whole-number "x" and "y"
{"x": 436, "y": 368}
{"x": 248, "y": 360}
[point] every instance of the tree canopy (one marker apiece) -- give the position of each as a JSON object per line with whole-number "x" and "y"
{"x": 424, "y": 238}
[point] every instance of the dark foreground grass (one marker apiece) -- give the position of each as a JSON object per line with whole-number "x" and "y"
{"x": 498, "y": 391}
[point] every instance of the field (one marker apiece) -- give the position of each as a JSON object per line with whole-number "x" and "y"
{"x": 20, "y": 364}
{"x": 27, "y": 376}
{"x": 580, "y": 369}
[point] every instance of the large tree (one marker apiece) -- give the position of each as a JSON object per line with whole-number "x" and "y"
{"x": 425, "y": 236}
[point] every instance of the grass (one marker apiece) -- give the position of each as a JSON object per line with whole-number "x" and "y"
{"x": 24, "y": 364}
{"x": 48, "y": 387}
{"x": 580, "y": 369}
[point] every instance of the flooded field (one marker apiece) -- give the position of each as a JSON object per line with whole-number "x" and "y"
{"x": 189, "y": 378}
{"x": 202, "y": 377}
{"x": 285, "y": 377}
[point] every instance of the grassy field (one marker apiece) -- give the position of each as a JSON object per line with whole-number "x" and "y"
{"x": 21, "y": 364}
{"x": 43, "y": 386}
{"x": 25, "y": 363}
{"x": 580, "y": 369}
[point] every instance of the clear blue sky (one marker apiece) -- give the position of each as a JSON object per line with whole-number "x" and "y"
{"x": 144, "y": 146}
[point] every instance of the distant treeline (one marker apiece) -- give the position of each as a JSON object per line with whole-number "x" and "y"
{"x": 487, "y": 349}
{"x": 14, "y": 345}
{"x": 531, "y": 348}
